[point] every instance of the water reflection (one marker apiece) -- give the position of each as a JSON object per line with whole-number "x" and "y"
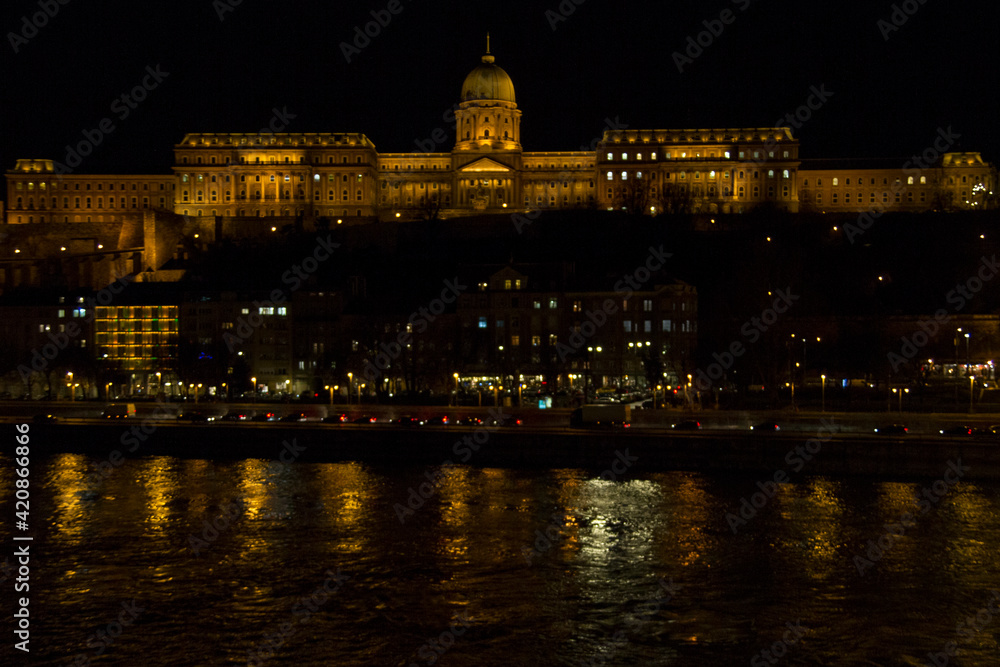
{"x": 548, "y": 565}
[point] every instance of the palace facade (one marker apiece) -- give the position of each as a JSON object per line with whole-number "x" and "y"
{"x": 343, "y": 177}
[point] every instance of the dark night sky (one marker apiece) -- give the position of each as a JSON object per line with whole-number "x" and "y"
{"x": 608, "y": 59}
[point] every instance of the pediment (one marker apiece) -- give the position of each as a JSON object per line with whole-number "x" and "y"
{"x": 485, "y": 164}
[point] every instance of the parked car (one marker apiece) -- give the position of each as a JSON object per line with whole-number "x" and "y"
{"x": 294, "y": 417}
{"x": 470, "y": 421}
{"x": 364, "y": 419}
{"x": 509, "y": 420}
{"x": 45, "y": 419}
{"x": 892, "y": 429}
{"x": 687, "y": 425}
{"x": 957, "y": 430}
{"x": 338, "y": 418}
{"x": 264, "y": 417}
{"x": 408, "y": 421}
{"x": 235, "y": 416}
{"x": 765, "y": 426}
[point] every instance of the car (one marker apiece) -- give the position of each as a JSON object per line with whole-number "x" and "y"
{"x": 470, "y": 421}
{"x": 687, "y": 425}
{"x": 987, "y": 433}
{"x": 892, "y": 429}
{"x": 338, "y": 418}
{"x": 264, "y": 417}
{"x": 765, "y": 426}
{"x": 235, "y": 416}
{"x": 440, "y": 420}
{"x": 956, "y": 430}
{"x": 294, "y": 417}
{"x": 44, "y": 419}
{"x": 508, "y": 420}
{"x": 364, "y": 419}
{"x": 195, "y": 416}
{"x": 408, "y": 421}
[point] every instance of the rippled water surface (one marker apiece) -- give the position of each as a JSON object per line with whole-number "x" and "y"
{"x": 494, "y": 567}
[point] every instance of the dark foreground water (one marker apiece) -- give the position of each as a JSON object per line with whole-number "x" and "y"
{"x": 312, "y": 566}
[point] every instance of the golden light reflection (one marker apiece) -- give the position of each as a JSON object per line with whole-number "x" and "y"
{"x": 687, "y": 508}
{"x": 349, "y": 493}
{"x": 160, "y": 480}
{"x": 812, "y": 515}
{"x": 72, "y": 497}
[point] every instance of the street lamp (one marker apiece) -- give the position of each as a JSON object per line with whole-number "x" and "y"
{"x": 455, "y": 375}
{"x": 253, "y": 381}
{"x": 350, "y": 380}
{"x": 361, "y": 386}
{"x": 972, "y": 381}
{"x": 107, "y": 390}
{"x": 331, "y": 393}
{"x": 823, "y": 393}
{"x": 967, "y": 353}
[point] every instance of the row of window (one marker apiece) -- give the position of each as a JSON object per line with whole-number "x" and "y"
{"x": 757, "y": 155}
{"x": 19, "y": 185}
{"x": 274, "y": 160}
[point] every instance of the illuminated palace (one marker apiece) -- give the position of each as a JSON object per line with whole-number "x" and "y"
{"x": 343, "y": 176}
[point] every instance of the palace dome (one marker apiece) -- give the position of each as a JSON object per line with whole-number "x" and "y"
{"x": 488, "y": 82}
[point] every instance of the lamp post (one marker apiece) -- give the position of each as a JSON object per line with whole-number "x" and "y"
{"x": 107, "y": 390}
{"x": 455, "y": 375}
{"x": 822, "y": 393}
{"x": 331, "y": 393}
{"x": 967, "y": 359}
{"x": 350, "y": 381}
{"x": 520, "y": 386}
{"x": 361, "y": 385}
{"x": 69, "y": 384}
{"x": 972, "y": 381}
{"x": 253, "y": 381}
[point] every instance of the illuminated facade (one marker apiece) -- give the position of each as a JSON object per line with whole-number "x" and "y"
{"x": 343, "y": 176}
{"x": 137, "y": 339}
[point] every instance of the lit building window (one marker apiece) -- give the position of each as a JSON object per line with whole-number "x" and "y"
{"x": 482, "y": 322}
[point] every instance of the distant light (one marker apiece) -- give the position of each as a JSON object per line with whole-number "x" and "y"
{"x": 768, "y": 239}
{"x": 274, "y": 229}
{"x": 196, "y": 235}
{"x": 340, "y": 221}
{"x": 17, "y": 251}
{"x": 62, "y": 248}
{"x": 398, "y": 215}
{"x": 835, "y": 228}
{"x": 100, "y": 246}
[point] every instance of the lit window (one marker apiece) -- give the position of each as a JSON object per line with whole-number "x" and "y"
{"x": 836, "y": 181}
{"x": 282, "y": 310}
{"x": 553, "y": 303}
{"x": 536, "y": 341}
{"x": 482, "y": 322}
